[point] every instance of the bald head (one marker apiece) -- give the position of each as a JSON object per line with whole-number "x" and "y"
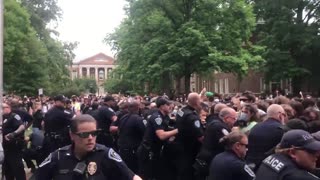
{"x": 219, "y": 107}
{"x": 193, "y": 99}
{"x": 274, "y": 111}
{"x": 229, "y": 116}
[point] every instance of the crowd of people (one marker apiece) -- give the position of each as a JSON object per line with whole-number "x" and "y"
{"x": 199, "y": 136}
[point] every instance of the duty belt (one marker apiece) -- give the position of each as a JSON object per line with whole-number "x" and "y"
{"x": 53, "y": 135}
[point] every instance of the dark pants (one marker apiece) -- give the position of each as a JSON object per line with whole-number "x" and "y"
{"x": 150, "y": 167}
{"x": 184, "y": 166}
{"x": 130, "y": 157}
{"x": 50, "y": 144}
{"x": 13, "y": 167}
{"x": 32, "y": 154}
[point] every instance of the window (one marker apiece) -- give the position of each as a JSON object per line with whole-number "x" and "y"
{"x": 84, "y": 72}
{"x": 92, "y": 73}
{"x": 101, "y": 73}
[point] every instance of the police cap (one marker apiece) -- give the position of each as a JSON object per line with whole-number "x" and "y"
{"x": 162, "y": 101}
{"x": 59, "y": 98}
{"x": 301, "y": 139}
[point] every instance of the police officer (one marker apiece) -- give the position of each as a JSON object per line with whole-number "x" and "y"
{"x": 264, "y": 136}
{"x": 189, "y": 138}
{"x": 230, "y": 164}
{"x": 105, "y": 116}
{"x": 211, "y": 147}
{"x": 84, "y": 159}
{"x": 56, "y": 122}
{"x": 155, "y": 135}
{"x": 131, "y": 129}
{"x": 294, "y": 159}
{"x": 13, "y": 138}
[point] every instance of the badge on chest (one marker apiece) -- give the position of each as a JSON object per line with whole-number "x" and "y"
{"x": 92, "y": 168}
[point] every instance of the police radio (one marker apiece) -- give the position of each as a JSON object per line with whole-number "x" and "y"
{"x": 80, "y": 168}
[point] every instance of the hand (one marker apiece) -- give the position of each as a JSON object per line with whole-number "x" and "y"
{"x": 10, "y": 136}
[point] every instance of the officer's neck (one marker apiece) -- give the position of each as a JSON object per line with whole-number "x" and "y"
{"x": 79, "y": 154}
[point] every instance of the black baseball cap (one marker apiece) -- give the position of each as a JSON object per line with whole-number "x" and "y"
{"x": 300, "y": 139}
{"x": 108, "y": 98}
{"x": 59, "y": 98}
{"x": 162, "y": 101}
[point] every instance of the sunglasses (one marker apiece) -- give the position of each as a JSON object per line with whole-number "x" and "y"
{"x": 87, "y": 134}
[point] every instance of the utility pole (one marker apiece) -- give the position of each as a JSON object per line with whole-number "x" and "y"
{"x": 1, "y": 63}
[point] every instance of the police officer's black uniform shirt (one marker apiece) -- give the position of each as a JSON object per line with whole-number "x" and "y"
{"x": 11, "y": 123}
{"x": 25, "y": 116}
{"x": 211, "y": 146}
{"x": 131, "y": 130}
{"x": 189, "y": 127}
{"x": 263, "y": 138}
{"x": 281, "y": 167}
{"x": 155, "y": 122}
{"x": 104, "y": 117}
{"x": 57, "y": 120}
{"x": 228, "y": 166}
{"x": 101, "y": 164}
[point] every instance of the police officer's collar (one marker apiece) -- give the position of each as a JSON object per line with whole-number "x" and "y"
{"x": 69, "y": 150}
{"x": 234, "y": 154}
{"x": 191, "y": 108}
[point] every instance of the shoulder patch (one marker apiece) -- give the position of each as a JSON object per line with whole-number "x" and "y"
{"x": 314, "y": 176}
{"x": 17, "y": 117}
{"x": 224, "y": 132}
{"x": 158, "y": 120}
{"x": 46, "y": 161}
{"x": 197, "y": 123}
{"x": 145, "y": 122}
{"x": 114, "y": 156}
{"x": 249, "y": 171}
{"x": 148, "y": 117}
{"x": 110, "y": 109}
{"x": 180, "y": 113}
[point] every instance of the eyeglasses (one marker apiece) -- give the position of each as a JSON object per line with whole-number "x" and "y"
{"x": 87, "y": 134}
{"x": 233, "y": 118}
{"x": 244, "y": 100}
{"x": 285, "y": 114}
{"x": 245, "y": 145}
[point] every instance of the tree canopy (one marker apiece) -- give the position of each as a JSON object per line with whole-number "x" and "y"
{"x": 162, "y": 41}
{"x": 33, "y": 56}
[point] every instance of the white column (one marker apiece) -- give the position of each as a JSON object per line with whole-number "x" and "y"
{"x": 80, "y": 71}
{"x": 105, "y": 72}
{"x": 88, "y": 72}
{"x": 97, "y": 74}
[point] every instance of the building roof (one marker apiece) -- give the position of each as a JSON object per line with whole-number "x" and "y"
{"x": 98, "y": 59}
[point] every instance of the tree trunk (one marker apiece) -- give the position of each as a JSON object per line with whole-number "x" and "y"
{"x": 187, "y": 83}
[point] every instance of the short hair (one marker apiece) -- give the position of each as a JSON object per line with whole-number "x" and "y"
{"x": 308, "y": 103}
{"x": 229, "y": 140}
{"x": 218, "y": 107}
{"x": 80, "y": 119}
{"x": 281, "y": 100}
{"x": 298, "y": 108}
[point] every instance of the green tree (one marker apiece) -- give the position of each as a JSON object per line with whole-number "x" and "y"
{"x": 165, "y": 40}
{"x": 291, "y": 34}
{"x": 24, "y": 72}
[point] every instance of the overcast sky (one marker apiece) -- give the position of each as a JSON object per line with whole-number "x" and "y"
{"x": 88, "y": 22}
